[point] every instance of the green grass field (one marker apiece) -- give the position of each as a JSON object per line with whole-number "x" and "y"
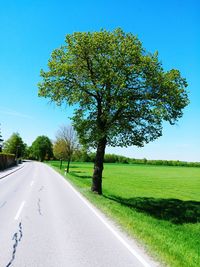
{"x": 157, "y": 205}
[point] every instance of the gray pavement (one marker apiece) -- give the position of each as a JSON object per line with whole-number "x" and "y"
{"x": 46, "y": 223}
{"x": 10, "y": 170}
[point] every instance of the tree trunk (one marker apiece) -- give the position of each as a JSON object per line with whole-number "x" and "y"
{"x": 60, "y": 164}
{"x": 98, "y": 167}
{"x": 68, "y": 162}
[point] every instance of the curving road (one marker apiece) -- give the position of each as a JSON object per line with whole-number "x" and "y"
{"x": 44, "y": 222}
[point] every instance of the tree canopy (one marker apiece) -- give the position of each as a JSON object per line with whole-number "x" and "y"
{"x": 120, "y": 92}
{"x": 15, "y": 145}
{"x": 66, "y": 143}
{"x": 42, "y": 148}
{"x": 60, "y": 150}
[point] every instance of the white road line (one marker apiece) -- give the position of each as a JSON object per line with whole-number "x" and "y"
{"x": 19, "y": 210}
{"x": 32, "y": 182}
{"x": 115, "y": 233}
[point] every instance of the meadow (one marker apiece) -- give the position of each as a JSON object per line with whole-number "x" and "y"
{"x": 159, "y": 206}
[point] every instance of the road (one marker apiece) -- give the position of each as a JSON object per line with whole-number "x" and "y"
{"x": 44, "y": 222}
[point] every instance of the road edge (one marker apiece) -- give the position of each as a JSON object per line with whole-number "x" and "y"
{"x": 129, "y": 242}
{"x": 1, "y": 177}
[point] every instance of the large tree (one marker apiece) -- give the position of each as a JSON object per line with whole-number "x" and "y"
{"x": 120, "y": 92}
{"x": 15, "y": 145}
{"x": 66, "y": 143}
{"x": 42, "y": 148}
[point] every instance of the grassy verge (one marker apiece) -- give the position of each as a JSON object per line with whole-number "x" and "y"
{"x": 157, "y": 205}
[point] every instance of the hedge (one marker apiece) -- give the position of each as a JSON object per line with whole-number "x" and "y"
{"x": 6, "y": 160}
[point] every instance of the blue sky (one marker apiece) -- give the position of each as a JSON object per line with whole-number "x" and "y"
{"x": 30, "y": 30}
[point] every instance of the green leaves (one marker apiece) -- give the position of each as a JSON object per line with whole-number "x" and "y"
{"x": 121, "y": 91}
{"x": 42, "y": 148}
{"x": 15, "y": 145}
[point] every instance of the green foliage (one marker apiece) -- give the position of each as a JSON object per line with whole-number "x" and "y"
{"x": 60, "y": 150}
{"x": 27, "y": 153}
{"x": 120, "y": 90}
{"x": 42, "y": 148}
{"x": 1, "y": 140}
{"x": 15, "y": 145}
{"x": 164, "y": 162}
{"x": 66, "y": 142}
{"x": 84, "y": 156}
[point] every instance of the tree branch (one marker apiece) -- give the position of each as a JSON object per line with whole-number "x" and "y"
{"x": 84, "y": 89}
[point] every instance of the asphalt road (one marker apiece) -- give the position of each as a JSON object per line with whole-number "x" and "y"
{"x": 44, "y": 222}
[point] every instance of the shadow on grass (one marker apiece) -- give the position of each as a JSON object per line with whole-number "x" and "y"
{"x": 174, "y": 210}
{"x": 73, "y": 167}
{"x": 78, "y": 175}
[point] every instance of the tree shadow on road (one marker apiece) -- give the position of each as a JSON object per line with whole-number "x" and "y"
{"x": 174, "y": 210}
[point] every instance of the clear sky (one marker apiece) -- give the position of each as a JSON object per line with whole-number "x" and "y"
{"x": 30, "y": 30}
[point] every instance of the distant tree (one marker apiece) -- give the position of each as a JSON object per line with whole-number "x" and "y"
{"x": 1, "y": 140}
{"x": 60, "y": 150}
{"x": 66, "y": 143}
{"x": 15, "y": 145}
{"x": 77, "y": 155}
{"x": 30, "y": 154}
{"x": 121, "y": 92}
{"x": 27, "y": 152}
{"x": 85, "y": 154}
{"x": 42, "y": 148}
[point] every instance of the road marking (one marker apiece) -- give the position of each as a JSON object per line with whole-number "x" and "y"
{"x": 115, "y": 233}
{"x": 32, "y": 182}
{"x": 19, "y": 210}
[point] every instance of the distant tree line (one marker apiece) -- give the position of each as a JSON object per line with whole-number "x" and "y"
{"x": 42, "y": 148}
{"x": 165, "y": 162}
{"x": 83, "y": 156}
{"x": 66, "y": 147}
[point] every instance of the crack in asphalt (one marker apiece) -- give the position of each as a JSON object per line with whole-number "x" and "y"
{"x": 3, "y": 204}
{"x": 16, "y": 239}
{"x": 41, "y": 188}
{"x": 20, "y": 231}
{"x": 39, "y": 207}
